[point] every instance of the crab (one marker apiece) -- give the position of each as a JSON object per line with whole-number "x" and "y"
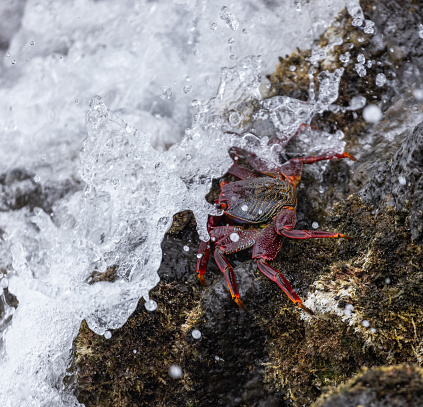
{"x": 259, "y": 211}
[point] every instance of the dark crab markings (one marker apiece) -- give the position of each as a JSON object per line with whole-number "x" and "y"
{"x": 258, "y": 200}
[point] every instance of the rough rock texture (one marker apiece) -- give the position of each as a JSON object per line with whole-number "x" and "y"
{"x": 366, "y": 293}
{"x": 399, "y": 386}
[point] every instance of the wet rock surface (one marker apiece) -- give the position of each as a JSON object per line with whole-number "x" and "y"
{"x": 366, "y": 293}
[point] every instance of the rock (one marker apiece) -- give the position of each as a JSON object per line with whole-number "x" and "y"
{"x": 391, "y": 386}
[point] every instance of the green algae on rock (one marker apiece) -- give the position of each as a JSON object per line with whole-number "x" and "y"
{"x": 390, "y": 386}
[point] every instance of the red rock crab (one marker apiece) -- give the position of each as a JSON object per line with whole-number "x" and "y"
{"x": 258, "y": 211}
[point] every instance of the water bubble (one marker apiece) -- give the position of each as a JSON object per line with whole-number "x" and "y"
{"x": 32, "y": 43}
{"x": 292, "y": 68}
{"x": 186, "y": 248}
{"x": 4, "y": 282}
{"x": 175, "y": 372}
{"x": 166, "y": 93}
{"x": 244, "y": 208}
{"x": 402, "y": 180}
{"x": 366, "y": 323}
{"x": 77, "y": 101}
{"x": 387, "y": 280}
{"x": 229, "y": 18}
{"x": 199, "y": 255}
{"x": 13, "y": 61}
{"x": 234, "y": 118}
{"x": 421, "y": 31}
{"x": 314, "y": 225}
{"x": 231, "y": 40}
{"x": 361, "y": 70}
{"x": 8, "y": 54}
{"x": 37, "y": 178}
{"x": 361, "y": 58}
{"x": 234, "y": 237}
{"x": 107, "y": 334}
{"x": 135, "y": 351}
{"x": 150, "y": 305}
{"x": 380, "y": 79}
{"x": 372, "y": 114}
{"x": 196, "y": 334}
{"x": 373, "y": 330}
{"x": 213, "y": 27}
{"x": 418, "y": 95}
{"x": 344, "y": 58}
{"x": 357, "y": 102}
{"x": 187, "y": 89}
{"x": 369, "y": 27}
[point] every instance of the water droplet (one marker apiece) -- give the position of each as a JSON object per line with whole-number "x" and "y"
{"x": 366, "y": 323}
{"x": 13, "y": 61}
{"x": 361, "y": 70}
{"x": 418, "y": 95}
{"x": 387, "y": 280}
{"x": 175, "y": 372}
{"x": 234, "y": 237}
{"x": 380, "y": 79}
{"x": 231, "y": 40}
{"x": 234, "y": 118}
{"x": 369, "y": 27}
{"x": 187, "y": 89}
{"x": 199, "y": 255}
{"x": 8, "y": 54}
{"x": 314, "y": 225}
{"x": 213, "y": 27}
{"x": 32, "y": 43}
{"x": 372, "y": 114}
{"x": 361, "y": 58}
{"x": 196, "y": 334}
{"x": 37, "y": 178}
{"x": 77, "y": 101}
{"x": 107, "y": 334}
{"x": 292, "y": 68}
{"x": 421, "y": 31}
{"x": 135, "y": 351}
{"x": 229, "y": 18}
{"x": 4, "y": 282}
{"x": 373, "y": 330}
{"x": 186, "y": 248}
{"x": 402, "y": 180}
{"x": 244, "y": 208}
{"x": 166, "y": 93}
{"x": 150, "y": 305}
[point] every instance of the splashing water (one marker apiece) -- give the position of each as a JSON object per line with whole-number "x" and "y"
{"x": 109, "y": 209}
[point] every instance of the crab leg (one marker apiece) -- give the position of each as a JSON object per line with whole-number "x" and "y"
{"x": 310, "y": 234}
{"x": 229, "y": 274}
{"x": 285, "y": 222}
{"x": 282, "y": 282}
{"x": 293, "y": 168}
{"x": 267, "y": 247}
{"x": 202, "y": 261}
{"x": 241, "y": 172}
{"x": 231, "y": 239}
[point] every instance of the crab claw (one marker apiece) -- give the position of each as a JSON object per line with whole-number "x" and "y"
{"x": 304, "y": 308}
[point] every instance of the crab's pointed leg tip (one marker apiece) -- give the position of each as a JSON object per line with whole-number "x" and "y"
{"x": 345, "y": 236}
{"x": 304, "y": 308}
{"x": 351, "y": 157}
{"x": 240, "y": 304}
{"x": 202, "y": 280}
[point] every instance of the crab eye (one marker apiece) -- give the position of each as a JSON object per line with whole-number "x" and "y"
{"x": 221, "y": 205}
